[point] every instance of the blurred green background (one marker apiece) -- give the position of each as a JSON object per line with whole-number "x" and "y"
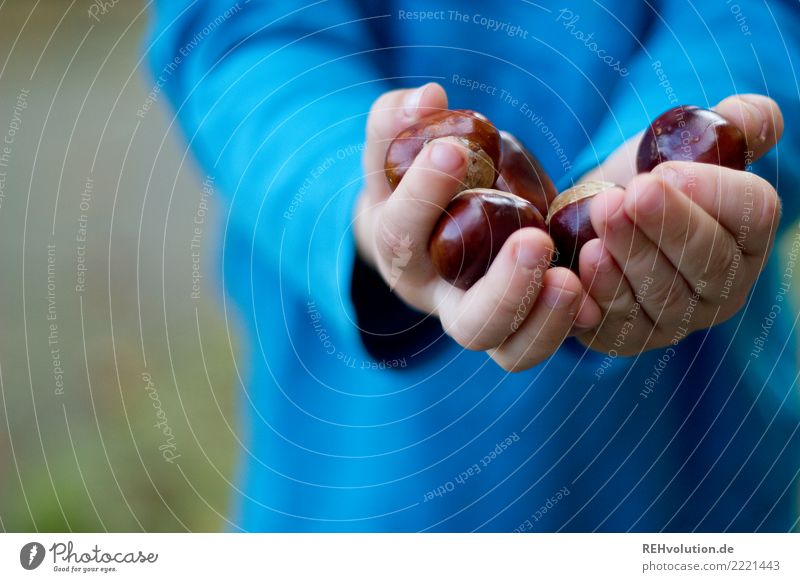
{"x": 88, "y": 455}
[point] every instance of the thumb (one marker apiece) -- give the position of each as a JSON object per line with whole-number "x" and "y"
{"x": 390, "y": 114}
{"x": 758, "y": 117}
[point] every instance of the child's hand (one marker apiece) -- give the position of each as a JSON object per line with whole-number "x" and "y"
{"x": 521, "y": 311}
{"x": 689, "y": 239}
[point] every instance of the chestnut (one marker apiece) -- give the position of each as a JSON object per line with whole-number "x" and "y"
{"x": 569, "y": 222}
{"x": 472, "y": 230}
{"x": 689, "y": 133}
{"x": 475, "y": 131}
{"x": 522, "y": 174}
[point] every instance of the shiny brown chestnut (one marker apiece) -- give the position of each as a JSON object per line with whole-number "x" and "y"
{"x": 569, "y": 221}
{"x": 522, "y": 174}
{"x": 472, "y": 230}
{"x": 691, "y": 134}
{"x": 475, "y": 131}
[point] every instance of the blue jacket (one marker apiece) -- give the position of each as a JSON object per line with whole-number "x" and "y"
{"x": 356, "y": 413}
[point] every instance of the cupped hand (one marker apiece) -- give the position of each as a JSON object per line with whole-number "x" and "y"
{"x": 679, "y": 248}
{"x": 521, "y": 310}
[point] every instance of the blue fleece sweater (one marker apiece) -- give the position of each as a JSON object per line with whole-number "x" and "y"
{"x": 358, "y": 414}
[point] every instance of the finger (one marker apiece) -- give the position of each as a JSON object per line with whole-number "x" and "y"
{"x": 625, "y": 326}
{"x": 639, "y": 258}
{"x": 745, "y": 204}
{"x": 390, "y": 114}
{"x": 495, "y": 307}
{"x": 549, "y": 322}
{"x": 698, "y": 246}
{"x": 604, "y": 280}
{"x": 758, "y": 117}
{"x": 409, "y": 215}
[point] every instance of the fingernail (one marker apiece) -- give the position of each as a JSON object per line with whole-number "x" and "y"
{"x": 672, "y": 176}
{"x": 757, "y": 116}
{"x": 558, "y": 298}
{"x": 446, "y": 157}
{"x": 412, "y": 101}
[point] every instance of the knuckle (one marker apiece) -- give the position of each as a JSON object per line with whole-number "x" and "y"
{"x": 639, "y": 255}
{"x": 675, "y": 299}
{"x": 621, "y": 303}
{"x": 722, "y": 258}
{"x": 683, "y": 234}
{"x": 770, "y": 207}
{"x": 678, "y": 233}
{"x": 665, "y": 297}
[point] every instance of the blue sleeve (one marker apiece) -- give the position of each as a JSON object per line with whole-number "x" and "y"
{"x": 698, "y": 53}
{"x": 273, "y": 98}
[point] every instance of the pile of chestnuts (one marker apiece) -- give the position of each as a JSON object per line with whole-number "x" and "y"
{"x": 506, "y": 188}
